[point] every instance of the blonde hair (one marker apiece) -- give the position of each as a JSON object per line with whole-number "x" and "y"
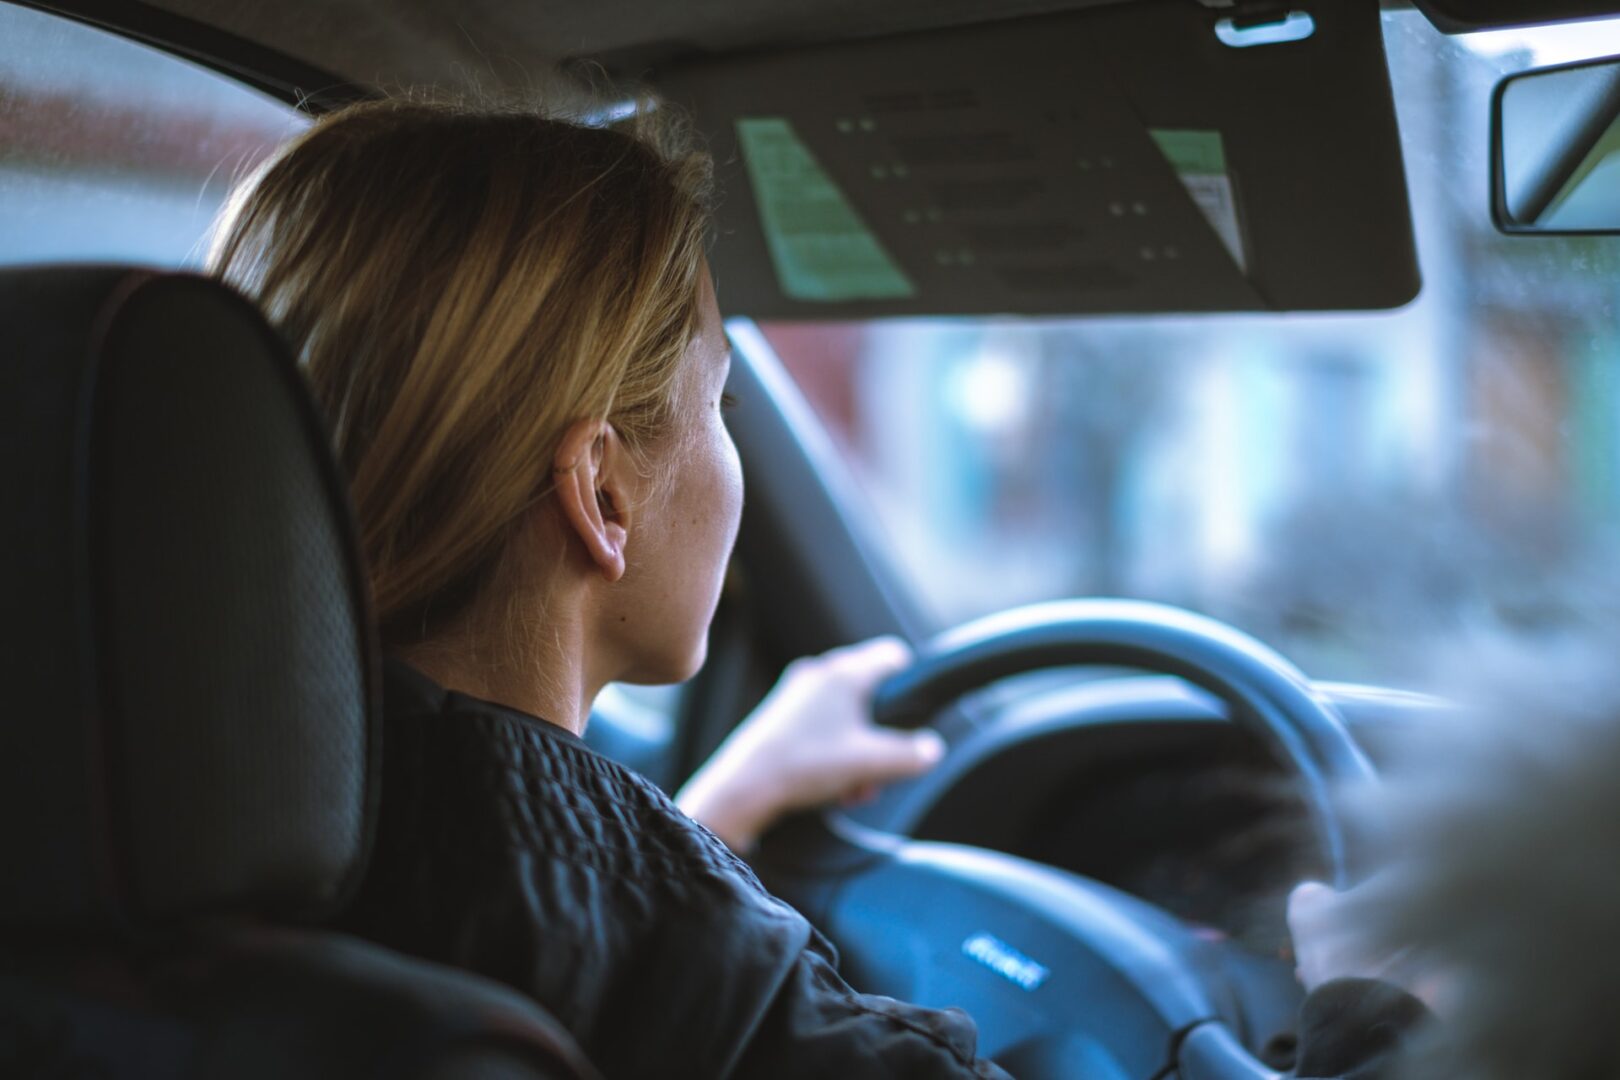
{"x": 462, "y": 285}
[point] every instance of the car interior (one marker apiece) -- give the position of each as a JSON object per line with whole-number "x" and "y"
{"x": 1095, "y": 873}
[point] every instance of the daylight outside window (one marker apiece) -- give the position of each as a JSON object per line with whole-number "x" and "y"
{"x": 1342, "y": 486}
{"x": 111, "y": 151}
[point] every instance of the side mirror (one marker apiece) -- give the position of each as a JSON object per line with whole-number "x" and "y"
{"x": 1555, "y": 150}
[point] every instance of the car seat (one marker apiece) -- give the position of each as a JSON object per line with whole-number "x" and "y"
{"x": 189, "y": 747}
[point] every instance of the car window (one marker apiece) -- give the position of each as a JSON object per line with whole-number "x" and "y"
{"x": 114, "y": 151}
{"x": 1347, "y": 487}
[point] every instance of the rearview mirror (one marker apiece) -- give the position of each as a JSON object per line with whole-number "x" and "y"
{"x": 1555, "y": 137}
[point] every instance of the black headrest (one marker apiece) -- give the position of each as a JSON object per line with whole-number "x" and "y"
{"x": 187, "y": 667}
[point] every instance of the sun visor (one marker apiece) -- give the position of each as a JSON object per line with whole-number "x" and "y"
{"x": 1467, "y": 16}
{"x": 1125, "y": 159}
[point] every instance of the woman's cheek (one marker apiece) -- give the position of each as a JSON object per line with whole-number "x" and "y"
{"x": 734, "y": 486}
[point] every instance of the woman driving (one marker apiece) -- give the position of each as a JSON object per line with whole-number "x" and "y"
{"x": 510, "y": 323}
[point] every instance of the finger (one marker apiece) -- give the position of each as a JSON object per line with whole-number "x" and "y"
{"x": 880, "y": 641}
{"x": 1311, "y": 891}
{"x": 1307, "y": 915}
{"x": 1323, "y": 946}
{"x": 870, "y": 662}
{"x": 1308, "y": 903}
{"x": 881, "y": 756}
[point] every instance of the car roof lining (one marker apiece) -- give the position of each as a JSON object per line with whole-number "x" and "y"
{"x": 323, "y": 52}
{"x": 490, "y": 45}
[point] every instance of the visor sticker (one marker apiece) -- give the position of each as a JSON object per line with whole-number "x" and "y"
{"x": 821, "y": 249}
{"x": 1199, "y": 158}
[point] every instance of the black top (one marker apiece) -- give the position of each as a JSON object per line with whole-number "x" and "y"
{"x": 507, "y": 846}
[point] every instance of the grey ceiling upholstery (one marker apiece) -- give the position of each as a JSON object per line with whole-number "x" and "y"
{"x": 510, "y": 45}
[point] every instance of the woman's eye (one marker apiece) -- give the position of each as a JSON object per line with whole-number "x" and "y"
{"x": 728, "y": 401}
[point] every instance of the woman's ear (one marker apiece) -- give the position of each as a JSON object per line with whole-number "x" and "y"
{"x": 591, "y": 470}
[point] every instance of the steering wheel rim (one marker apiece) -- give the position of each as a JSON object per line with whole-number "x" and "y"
{"x": 845, "y": 876}
{"x": 1266, "y": 694}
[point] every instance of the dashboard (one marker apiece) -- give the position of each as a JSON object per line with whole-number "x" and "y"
{"x": 1142, "y": 784}
{"x": 1203, "y": 832}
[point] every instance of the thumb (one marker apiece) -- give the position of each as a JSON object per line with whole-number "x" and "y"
{"x": 883, "y": 755}
{"x": 1308, "y": 903}
{"x": 1309, "y": 910}
{"x": 870, "y": 662}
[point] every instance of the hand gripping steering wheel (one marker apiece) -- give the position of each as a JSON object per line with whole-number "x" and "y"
{"x": 1065, "y": 976}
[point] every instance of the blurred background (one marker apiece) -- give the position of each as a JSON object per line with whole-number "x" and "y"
{"x": 1351, "y": 489}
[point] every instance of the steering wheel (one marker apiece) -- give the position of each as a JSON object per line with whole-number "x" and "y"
{"x": 1065, "y": 976}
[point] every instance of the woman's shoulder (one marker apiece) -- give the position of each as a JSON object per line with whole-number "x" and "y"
{"x": 508, "y": 847}
{"x": 520, "y": 784}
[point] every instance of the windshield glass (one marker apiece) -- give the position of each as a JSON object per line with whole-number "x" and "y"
{"x": 1347, "y": 488}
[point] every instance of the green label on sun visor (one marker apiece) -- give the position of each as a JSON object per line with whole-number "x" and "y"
{"x": 1191, "y": 151}
{"x": 818, "y": 243}
{"x": 1199, "y": 158}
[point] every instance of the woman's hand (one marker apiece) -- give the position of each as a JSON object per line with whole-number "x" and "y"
{"x": 1327, "y": 944}
{"x": 810, "y": 742}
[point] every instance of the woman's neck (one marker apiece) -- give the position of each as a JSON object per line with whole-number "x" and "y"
{"x": 539, "y": 670}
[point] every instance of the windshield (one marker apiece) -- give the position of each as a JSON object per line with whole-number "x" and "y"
{"x": 1347, "y": 488}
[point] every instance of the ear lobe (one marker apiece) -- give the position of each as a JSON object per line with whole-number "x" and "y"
{"x": 585, "y": 489}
